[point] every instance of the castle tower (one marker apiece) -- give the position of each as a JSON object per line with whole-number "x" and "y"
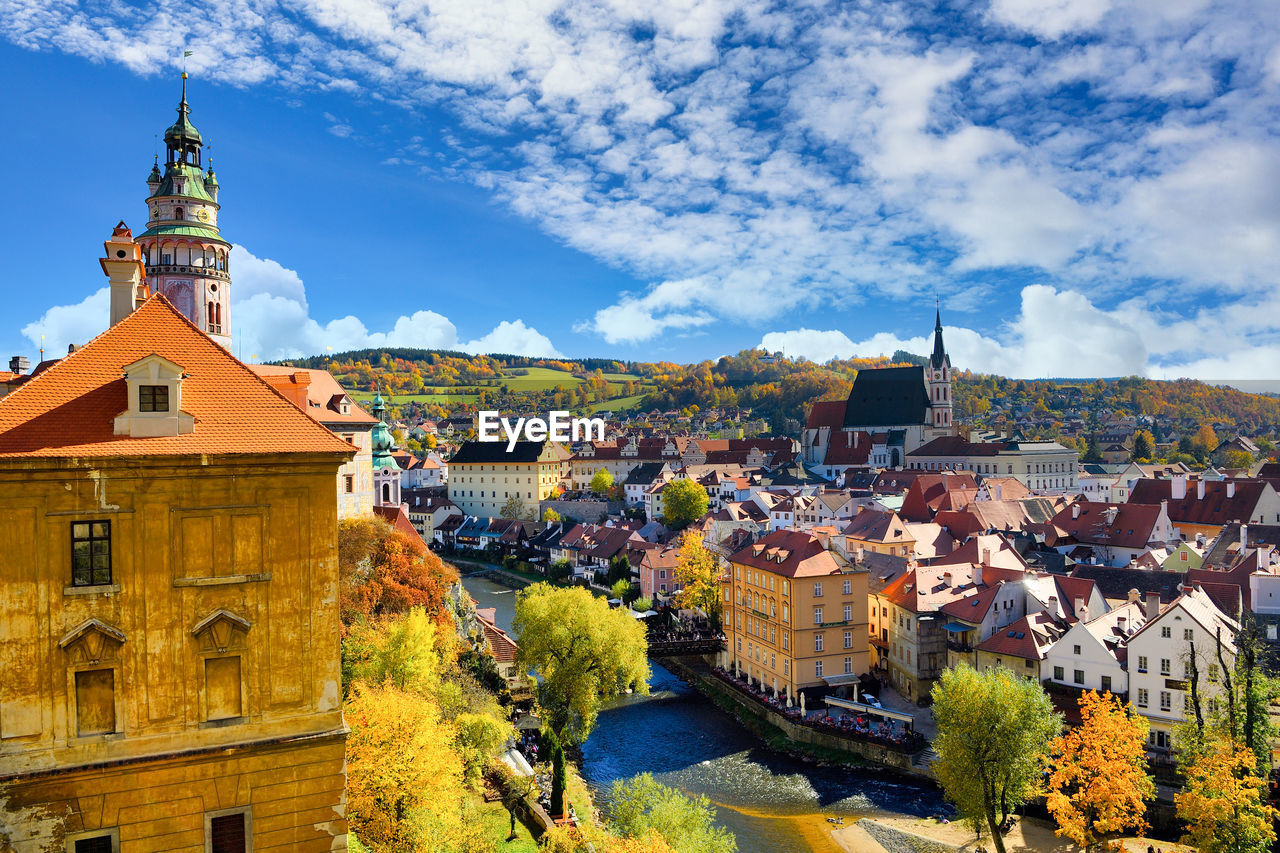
{"x": 940, "y": 380}
{"x": 185, "y": 257}
{"x": 386, "y": 471}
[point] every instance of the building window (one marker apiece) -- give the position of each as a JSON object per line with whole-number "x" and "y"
{"x": 848, "y": 639}
{"x": 1075, "y": 650}
{"x": 817, "y": 589}
{"x": 228, "y": 831}
{"x": 1166, "y": 632}
{"x": 1078, "y": 676}
{"x": 817, "y": 615}
{"x": 1142, "y": 697}
{"x": 349, "y": 483}
{"x": 95, "y": 702}
{"x": 1165, "y": 668}
{"x": 848, "y": 612}
{"x": 1142, "y": 663}
{"x": 1106, "y": 684}
{"x": 1059, "y": 674}
{"x": 90, "y": 553}
{"x": 848, "y": 587}
{"x": 817, "y": 669}
{"x": 786, "y": 641}
{"x": 153, "y": 398}
{"x": 1188, "y": 634}
{"x": 96, "y": 841}
{"x": 848, "y": 665}
{"x": 817, "y": 642}
{"x": 1166, "y": 700}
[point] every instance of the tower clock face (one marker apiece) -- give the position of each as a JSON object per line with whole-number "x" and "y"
{"x": 203, "y": 215}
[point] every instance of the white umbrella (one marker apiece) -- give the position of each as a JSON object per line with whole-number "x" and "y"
{"x": 802, "y": 710}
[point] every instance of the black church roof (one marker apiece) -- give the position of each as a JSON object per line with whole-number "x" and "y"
{"x": 888, "y": 396}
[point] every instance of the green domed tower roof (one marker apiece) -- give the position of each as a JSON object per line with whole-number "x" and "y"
{"x": 183, "y": 130}
{"x": 382, "y": 440}
{"x": 154, "y": 177}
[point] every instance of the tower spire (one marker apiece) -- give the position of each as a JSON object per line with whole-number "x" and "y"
{"x": 939, "y": 351}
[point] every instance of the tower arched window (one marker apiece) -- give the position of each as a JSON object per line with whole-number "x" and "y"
{"x": 177, "y": 213}
{"x": 386, "y": 493}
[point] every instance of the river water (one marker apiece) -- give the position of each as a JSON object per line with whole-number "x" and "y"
{"x": 772, "y": 802}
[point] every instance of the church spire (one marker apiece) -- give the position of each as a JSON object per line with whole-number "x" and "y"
{"x": 939, "y": 351}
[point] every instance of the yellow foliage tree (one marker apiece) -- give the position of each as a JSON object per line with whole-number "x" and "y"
{"x": 697, "y": 570}
{"x": 404, "y": 781}
{"x": 1098, "y": 782}
{"x": 1222, "y": 800}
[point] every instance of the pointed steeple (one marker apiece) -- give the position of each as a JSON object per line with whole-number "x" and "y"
{"x": 939, "y": 357}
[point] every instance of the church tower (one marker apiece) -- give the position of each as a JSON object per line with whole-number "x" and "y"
{"x": 185, "y": 257}
{"x": 386, "y": 471}
{"x": 940, "y": 380}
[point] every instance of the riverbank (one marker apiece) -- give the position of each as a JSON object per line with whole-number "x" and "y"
{"x": 917, "y": 835}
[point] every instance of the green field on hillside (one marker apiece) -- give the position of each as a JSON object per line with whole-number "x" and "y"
{"x": 619, "y": 404}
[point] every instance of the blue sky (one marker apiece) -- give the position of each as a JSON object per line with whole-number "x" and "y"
{"x": 1090, "y": 186}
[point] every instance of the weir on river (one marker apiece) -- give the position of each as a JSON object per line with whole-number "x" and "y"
{"x": 770, "y": 801}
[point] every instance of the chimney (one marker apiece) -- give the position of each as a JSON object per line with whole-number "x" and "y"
{"x": 123, "y": 268}
{"x": 1121, "y": 622}
{"x": 1178, "y": 487}
{"x": 1111, "y": 514}
{"x": 19, "y": 364}
{"x": 1079, "y": 609}
{"x": 1231, "y": 488}
{"x": 1200, "y": 489}
{"x": 977, "y": 575}
{"x": 1264, "y": 558}
{"x": 999, "y": 492}
{"x": 946, "y": 579}
{"x": 1153, "y": 605}
{"x": 1134, "y": 596}
{"x": 1244, "y": 537}
{"x": 1075, "y": 510}
{"x": 986, "y": 556}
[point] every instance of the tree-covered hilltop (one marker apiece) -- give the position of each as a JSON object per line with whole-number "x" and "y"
{"x": 435, "y": 383}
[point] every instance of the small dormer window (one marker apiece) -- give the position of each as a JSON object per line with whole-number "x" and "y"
{"x": 153, "y": 398}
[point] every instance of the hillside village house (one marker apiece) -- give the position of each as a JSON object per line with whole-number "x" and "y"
{"x": 168, "y": 615}
{"x": 1114, "y": 534}
{"x": 1202, "y": 508}
{"x": 795, "y": 616}
{"x": 1159, "y": 656}
{"x": 484, "y": 475}
{"x": 1042, "y": 466}
{"x": 1093, "y": 652}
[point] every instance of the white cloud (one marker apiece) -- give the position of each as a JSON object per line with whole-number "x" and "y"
{"x": 1050, "y": 18}
{"x": 271, "y": 320}
{"x": 63, "y": 325}
{"x": 1063, "y": 334}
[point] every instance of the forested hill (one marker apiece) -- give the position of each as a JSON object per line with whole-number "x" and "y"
{"x": 436, "y": 383}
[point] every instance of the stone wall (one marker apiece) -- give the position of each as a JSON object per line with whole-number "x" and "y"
{"x": 588, "y": 512}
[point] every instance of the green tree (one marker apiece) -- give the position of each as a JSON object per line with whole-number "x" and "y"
{"x": 1237, "y": 459}
{"x": 401, "y": 652}
{"x": 1093, "y": 450}
{"x": 584, "y": 653}
{"x": 641, "y": 805}
{"x": 550, "y": 516}
{"x": 994, "y": 730}
{"x": 1144, "y": 446}
{"x": 513, "y": 508}
{"x": 601, "y": 481}
{"x": 684, "y": 502}
{"x": 620, "y": 589}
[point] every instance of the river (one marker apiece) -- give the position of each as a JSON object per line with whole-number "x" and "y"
{"x": 770, "y": 801}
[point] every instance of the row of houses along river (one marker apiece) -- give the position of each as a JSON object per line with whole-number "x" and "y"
{"x": 770, "y": 801}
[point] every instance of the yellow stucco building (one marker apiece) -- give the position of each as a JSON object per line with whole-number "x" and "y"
{"x": 169, "y": 636}
{"x": 795, "y": 616}
{"x": 484, "y": 475}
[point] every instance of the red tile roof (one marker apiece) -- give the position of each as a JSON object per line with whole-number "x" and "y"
{"x": 826, "y": 413}
{"x": 1215, "y": 508}
{"x": 789, "y": 553}
{"x": 70, "y": 408}
{"x": 1029, "y": 638}
{"x": 1132, "y": 526}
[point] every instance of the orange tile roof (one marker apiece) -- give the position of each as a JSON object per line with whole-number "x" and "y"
{"x": 70, "y": 409}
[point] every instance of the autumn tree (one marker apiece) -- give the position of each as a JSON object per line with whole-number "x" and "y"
{"x": 1144, "y": 446}
{"x": 994, "y": 730}
{"x": 405, "y": 787}
{"x": 1098, "y": 781}
{"x": 684, "y": 501}
{"x": 1222, "y": 799}
{"x": 697, "y": 571}
{"x": 382, "y": 571}
{"x": 641, "y": 805}
{"x": 584, "y": 653}
{"x": 601, "y": 481}
{"x": 550, "y": 516}
{"x": 408, "y": 652}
